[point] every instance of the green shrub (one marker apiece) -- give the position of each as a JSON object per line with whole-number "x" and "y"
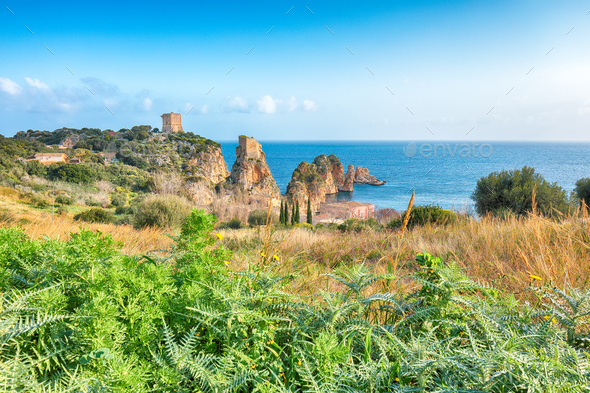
{"x": 513, "y": 190}
{"x": 64, "y": 200}
{"x": 304, "y": 225}
{"x": 164, "y": 211}
{"x": 73, "y": 173}
{"x": 582, "y": 190}
{"x": 35, "y": 199}
{"x": 234, "y": 223}
{"x": 92, "y": 202}
{"x": 358, "y": 225}
{"x": 258, "y": 217}
{"x": 118, "y": 199}
{"x": 395, "y": 223}
{"x": 123, "y": 210}
{"x": 97, "y": 215}
{"x": 35, "y": 168}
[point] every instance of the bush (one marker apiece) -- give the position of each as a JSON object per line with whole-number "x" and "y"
{"x": 92, "y": 202}
{"x": 358, "y": 225}
{"x": 513, "y": 190}
{"x": 304, "y": 225}
{"x": 97, "y": 215}
{"x": 258, "y": 217}
{"x": 582, "y": 190}
{"x": 64, "y": 200}
{"x": 35, "y": 168}
{"x": 164, "y": 211}
{"x": 118, "y": 199}
{"x": 72, "y": 173}
{"x": 35, "y": 199}
{"x": 123, "y": 210}
{"x": 234, "y": 223}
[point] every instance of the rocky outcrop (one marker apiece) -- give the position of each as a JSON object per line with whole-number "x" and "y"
{"x": 362, "y": 176}
{"x": 325, "y": 176}
{"x": 201, "y": 192}
{"x": 251, "y": 171}
{"x": 347, "y": 186}
{"x": 208, "y": 165}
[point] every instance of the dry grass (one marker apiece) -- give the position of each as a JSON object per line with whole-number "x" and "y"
{"x": 500, "y": 252}
{"x": 37, "y": 223}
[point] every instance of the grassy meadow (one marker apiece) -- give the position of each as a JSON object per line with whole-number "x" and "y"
{"x": 490, "y": 305}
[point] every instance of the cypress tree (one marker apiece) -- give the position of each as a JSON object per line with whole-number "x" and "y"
{"x": 309, "y": 216}
{"x": 281, "y": 214}
{"x": 293, "y": 215}
{"x": 297, "y": 216}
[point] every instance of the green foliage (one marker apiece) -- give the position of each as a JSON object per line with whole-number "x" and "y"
{"x": 422, "y": 215}
{"x": 358, "y": 225}
{"x": 35, "y": 168}
{"x": 64, "y": 200}
{"x": 234, "y": 223}
{"x": 95, "y": 214}
{"x": 297, "y": 217}
{"x": 118, "y": 199}
{"x": 259, "y": 216}
{"x": 282, "y": 214}
{"x": 293, "y": 216}
{"x": 72, "y": 173}
{"x": 582, "y": 190}
{"x": 77, "y": 315}
{"x": 164, "y": 211}
{"x": 513, "y": 191}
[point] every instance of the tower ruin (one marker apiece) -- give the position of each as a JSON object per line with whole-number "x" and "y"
{"x": 171, "y": 122}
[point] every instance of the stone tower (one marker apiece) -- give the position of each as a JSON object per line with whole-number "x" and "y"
{"x": 249, "y": 147}
{"x": 171, "y": 122}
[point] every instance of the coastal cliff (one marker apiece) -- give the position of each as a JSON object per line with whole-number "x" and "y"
{"x": 251, "y": 171}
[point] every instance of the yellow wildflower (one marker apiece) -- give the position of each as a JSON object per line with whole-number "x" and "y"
{"x": 262, "y": 254}
{"x": 226, "y": 262}
{"x": 275, "y": 257}
{"x": 299, "y": 362}
{"x": 533, "y": 277}
{"x": 219, "y": 236}
{"x": 396, "y": 379}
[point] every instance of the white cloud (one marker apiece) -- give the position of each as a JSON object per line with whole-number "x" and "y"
{"x": 147, "y": 104}
{"x": 205, "y": 109}
{"x": 36, "y": 83}
{"x": 309, "y": 105}
{"x": 292, "y": 104}
{"x": 267, "y": 105}
{"x": 10, "y": 87}
{"x": 585, "y": 109}
{"x": 236, "y": 104}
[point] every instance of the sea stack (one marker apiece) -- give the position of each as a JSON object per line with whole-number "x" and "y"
{"x": 251, "y": 171}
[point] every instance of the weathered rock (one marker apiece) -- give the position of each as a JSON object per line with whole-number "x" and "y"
{"x": 324, "y": 176}
{"x": 209, "y": 165}
{"x": 251, "y": 170}
{"x": 347, "y": 186}
{"x": 201, "y": 192}
{"x": 362, "y": 176}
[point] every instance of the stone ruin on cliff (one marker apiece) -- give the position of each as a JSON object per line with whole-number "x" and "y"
{"x": 172, "y": 122}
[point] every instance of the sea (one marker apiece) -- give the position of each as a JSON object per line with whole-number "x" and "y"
{"x": 440, "y": 173}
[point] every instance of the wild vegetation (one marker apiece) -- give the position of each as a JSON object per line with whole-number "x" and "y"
{"x": 79, "y": 315}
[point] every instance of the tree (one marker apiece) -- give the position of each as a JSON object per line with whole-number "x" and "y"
{"x": 512, "y": 192}
{"x": 35, "y": 168}
{"x": 282, "y": 215}
{"x": 293, "y": 215}
{"x": 582, "y": 190}
{"x": 297, "y": 216}
{"x": 309, "y": 216}
{"x": 71, "y": 173}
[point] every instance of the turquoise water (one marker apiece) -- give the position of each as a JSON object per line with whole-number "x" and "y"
{"x": 447, "y": 179}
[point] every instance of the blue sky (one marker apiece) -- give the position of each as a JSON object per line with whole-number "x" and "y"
{"x": 447, "y": 64}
